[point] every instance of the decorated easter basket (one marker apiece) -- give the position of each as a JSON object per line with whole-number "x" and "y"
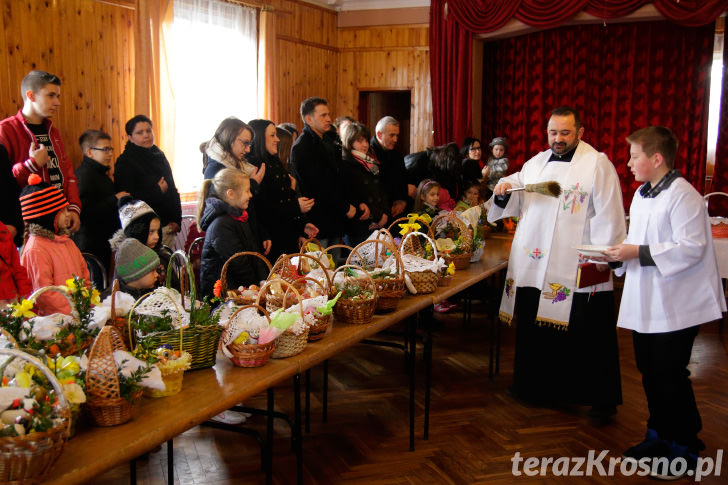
{"x": 285, "y": 269}
{"x": 66, "y": 347}
{"x": 371, "y": 254}
{"x": 359, "y": 296}
{"x": 718, "y": 225}
{"x": 232, "y": 294}
{"x": 246, "y": 355}
{"x": 321, "y": 323}
{"x": 417, "y": 266}
{"x": 450, "y": 226}
{"x": 289, "y": 343}
{"x": 201, "y": 341}
{"x": 30, "y": 458}
{"x": 104, "y": 401}
{"x": 399, "y": 228}
{"x": 172, "y": 370}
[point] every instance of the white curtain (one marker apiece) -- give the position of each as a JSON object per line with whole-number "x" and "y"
{"x": 213, "y": 59}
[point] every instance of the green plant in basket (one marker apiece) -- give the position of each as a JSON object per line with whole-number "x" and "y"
{"x": 203, "y": 315}
{"x": 130, "y": 380}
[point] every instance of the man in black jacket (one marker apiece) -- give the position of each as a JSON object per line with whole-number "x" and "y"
{"x": 315, "y": 162}
{"x": 393, "y": 171}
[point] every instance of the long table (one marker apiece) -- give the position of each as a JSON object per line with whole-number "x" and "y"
{"x": 208, "y": 392}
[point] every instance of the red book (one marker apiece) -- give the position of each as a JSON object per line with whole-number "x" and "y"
{"x": 587, "y": 274}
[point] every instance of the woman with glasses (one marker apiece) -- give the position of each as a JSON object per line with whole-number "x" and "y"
{"x": 473, "y": 164}
{"x": 281, "y": 211}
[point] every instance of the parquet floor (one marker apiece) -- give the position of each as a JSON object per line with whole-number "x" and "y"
{"x": 476, "y": 427}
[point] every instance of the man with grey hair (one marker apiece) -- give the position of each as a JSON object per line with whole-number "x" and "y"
{"x": 393, "y": 172}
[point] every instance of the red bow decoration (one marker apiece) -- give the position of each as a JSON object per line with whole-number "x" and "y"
{"x": 242, "y": 217}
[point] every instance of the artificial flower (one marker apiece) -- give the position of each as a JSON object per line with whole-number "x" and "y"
{"x": 451, "y": 268}
{"x": 217, "y": 289}
{"x": 22, "y": 379}
{"x": 95, "y": 297}
{"x": 445, "y": 244}
{"x": 71, "y": 285}
{"x": 23, "y": 309}
{"x": 74, "y": 393}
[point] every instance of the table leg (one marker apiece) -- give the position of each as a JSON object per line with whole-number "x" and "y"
{"x": 325, "y": 403}
{"x": 269, "y": 438}
{"x": 170, "y": 462}
{"x": 307, "y": 405}
{"x": 297, "y": 427}
{"x": 132, "y": 472}
{"x": 412, "y": 332}
{"x": 428, "y": 371}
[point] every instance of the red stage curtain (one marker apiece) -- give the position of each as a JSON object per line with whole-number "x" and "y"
{"x": 451, "y": 40}
{"x": 621, "y": 78}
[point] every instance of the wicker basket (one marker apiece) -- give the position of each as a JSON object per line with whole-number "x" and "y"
{"x": 357, "y": 311}
{"x": 462, "y": 260}
{"x": 247, "y": 355}
{"x": 201, "y": 341}
{"x": 284, "y": 270}
{"x": 445, "y": 280}
{"x": 173, "y": 372}
{"x": 30, "y": 458}
{"x": 288, "y": 344}
{"x": 317, "y": 330}
{"x": 68, "y": 348}
{"x": 423, "y": 281}
{"x": 233, "y": 294}
{"x": 119, "y": 323}
{"x": 390, "y": 290}
{"x": 718, "y": 225}
{"x": 105, "y": 404}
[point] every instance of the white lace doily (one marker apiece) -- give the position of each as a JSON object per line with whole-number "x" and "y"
{"x": 165, "y": 301}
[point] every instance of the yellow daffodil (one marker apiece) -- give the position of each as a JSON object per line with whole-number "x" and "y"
{"x": 64, "y": 366}
{"x": 23, "y": 309}
{"x": 71, "y": 285}
{"x": 451, "y": 269}
{"x": 74, "y": 393}
{"x": 95, "y": 297}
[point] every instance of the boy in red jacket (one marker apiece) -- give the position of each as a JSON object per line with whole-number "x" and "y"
{"x": 35, "y": 146}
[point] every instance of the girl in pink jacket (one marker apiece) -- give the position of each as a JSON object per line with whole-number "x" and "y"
{"x": 49, "y": 254}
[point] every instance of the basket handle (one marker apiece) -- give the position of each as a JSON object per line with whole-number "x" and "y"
{"x": 191, "y": 276}
{"x": 179, "y": 319}
{"x": 223, "y": 273}
{"x": 65, "y": 406}
{"x": 285, "y": 294}
{"x": 453, "y": 218}
{"x": 286, "y": 258}
{"x": 60, "y": 289}
{"x": 114, "y": 289}
{"x": 377, "y": 242}
{"x": 432, "y": 243}
{"x": 303, "y": 245}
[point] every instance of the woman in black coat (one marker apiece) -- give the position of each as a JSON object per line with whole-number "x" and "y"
{"x": 280, "y": 211}
{"x": 143, "y": 171}
{"x": 364, "y": 183}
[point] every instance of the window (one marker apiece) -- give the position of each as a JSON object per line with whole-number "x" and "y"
{"x": 212, "y": 62}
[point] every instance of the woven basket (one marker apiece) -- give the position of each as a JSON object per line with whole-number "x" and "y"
{"x": 718, "y": 225}
{"x": 316, "y": 331}
{"x": 201, "y": 341}
{"x": 288, "y": 344}
{"x": 233, "y": 294}
{"x": 30, "y": 458}
{"x": 283, "y": 268}
{"x": 173, "y": 373}
{"x": 445, "y": 280}
{"x": 67, "y": 348}
{"x": 247, "y": 355}
{"x": 359, "y": 311}
{"x": 462, "y": 260}
{"x": 390, "y": 290}
{"x": 119, "y": 323}
{"x": 423, "y": 281}
{"x": 105, "y": 404}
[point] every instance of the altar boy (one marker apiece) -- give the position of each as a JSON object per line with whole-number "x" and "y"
{"x": 672, "y": 286}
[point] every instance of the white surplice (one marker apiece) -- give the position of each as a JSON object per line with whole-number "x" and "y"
{"x": 543, "y": 254}
{"x": 683, "y": 289}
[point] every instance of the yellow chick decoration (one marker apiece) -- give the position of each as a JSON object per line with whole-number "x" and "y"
{"x": 242, "y": 338}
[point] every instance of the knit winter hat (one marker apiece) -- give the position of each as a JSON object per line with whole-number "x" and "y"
{"x": 499, "y": 140}
{"x": 134, "y": 260}
{"x": 131, "y": 210}
{"x": 40, "y": 202}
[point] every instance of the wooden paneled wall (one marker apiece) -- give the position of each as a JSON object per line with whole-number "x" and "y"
{"x": 308, "y": 57}
{"x": 89, "y": 44}
{"x": 382, "y": 58}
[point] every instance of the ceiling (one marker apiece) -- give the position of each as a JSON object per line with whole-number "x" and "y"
{"x": 345, "y": 5}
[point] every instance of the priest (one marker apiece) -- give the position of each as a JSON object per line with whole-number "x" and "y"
{"x": 566, "y": 341}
